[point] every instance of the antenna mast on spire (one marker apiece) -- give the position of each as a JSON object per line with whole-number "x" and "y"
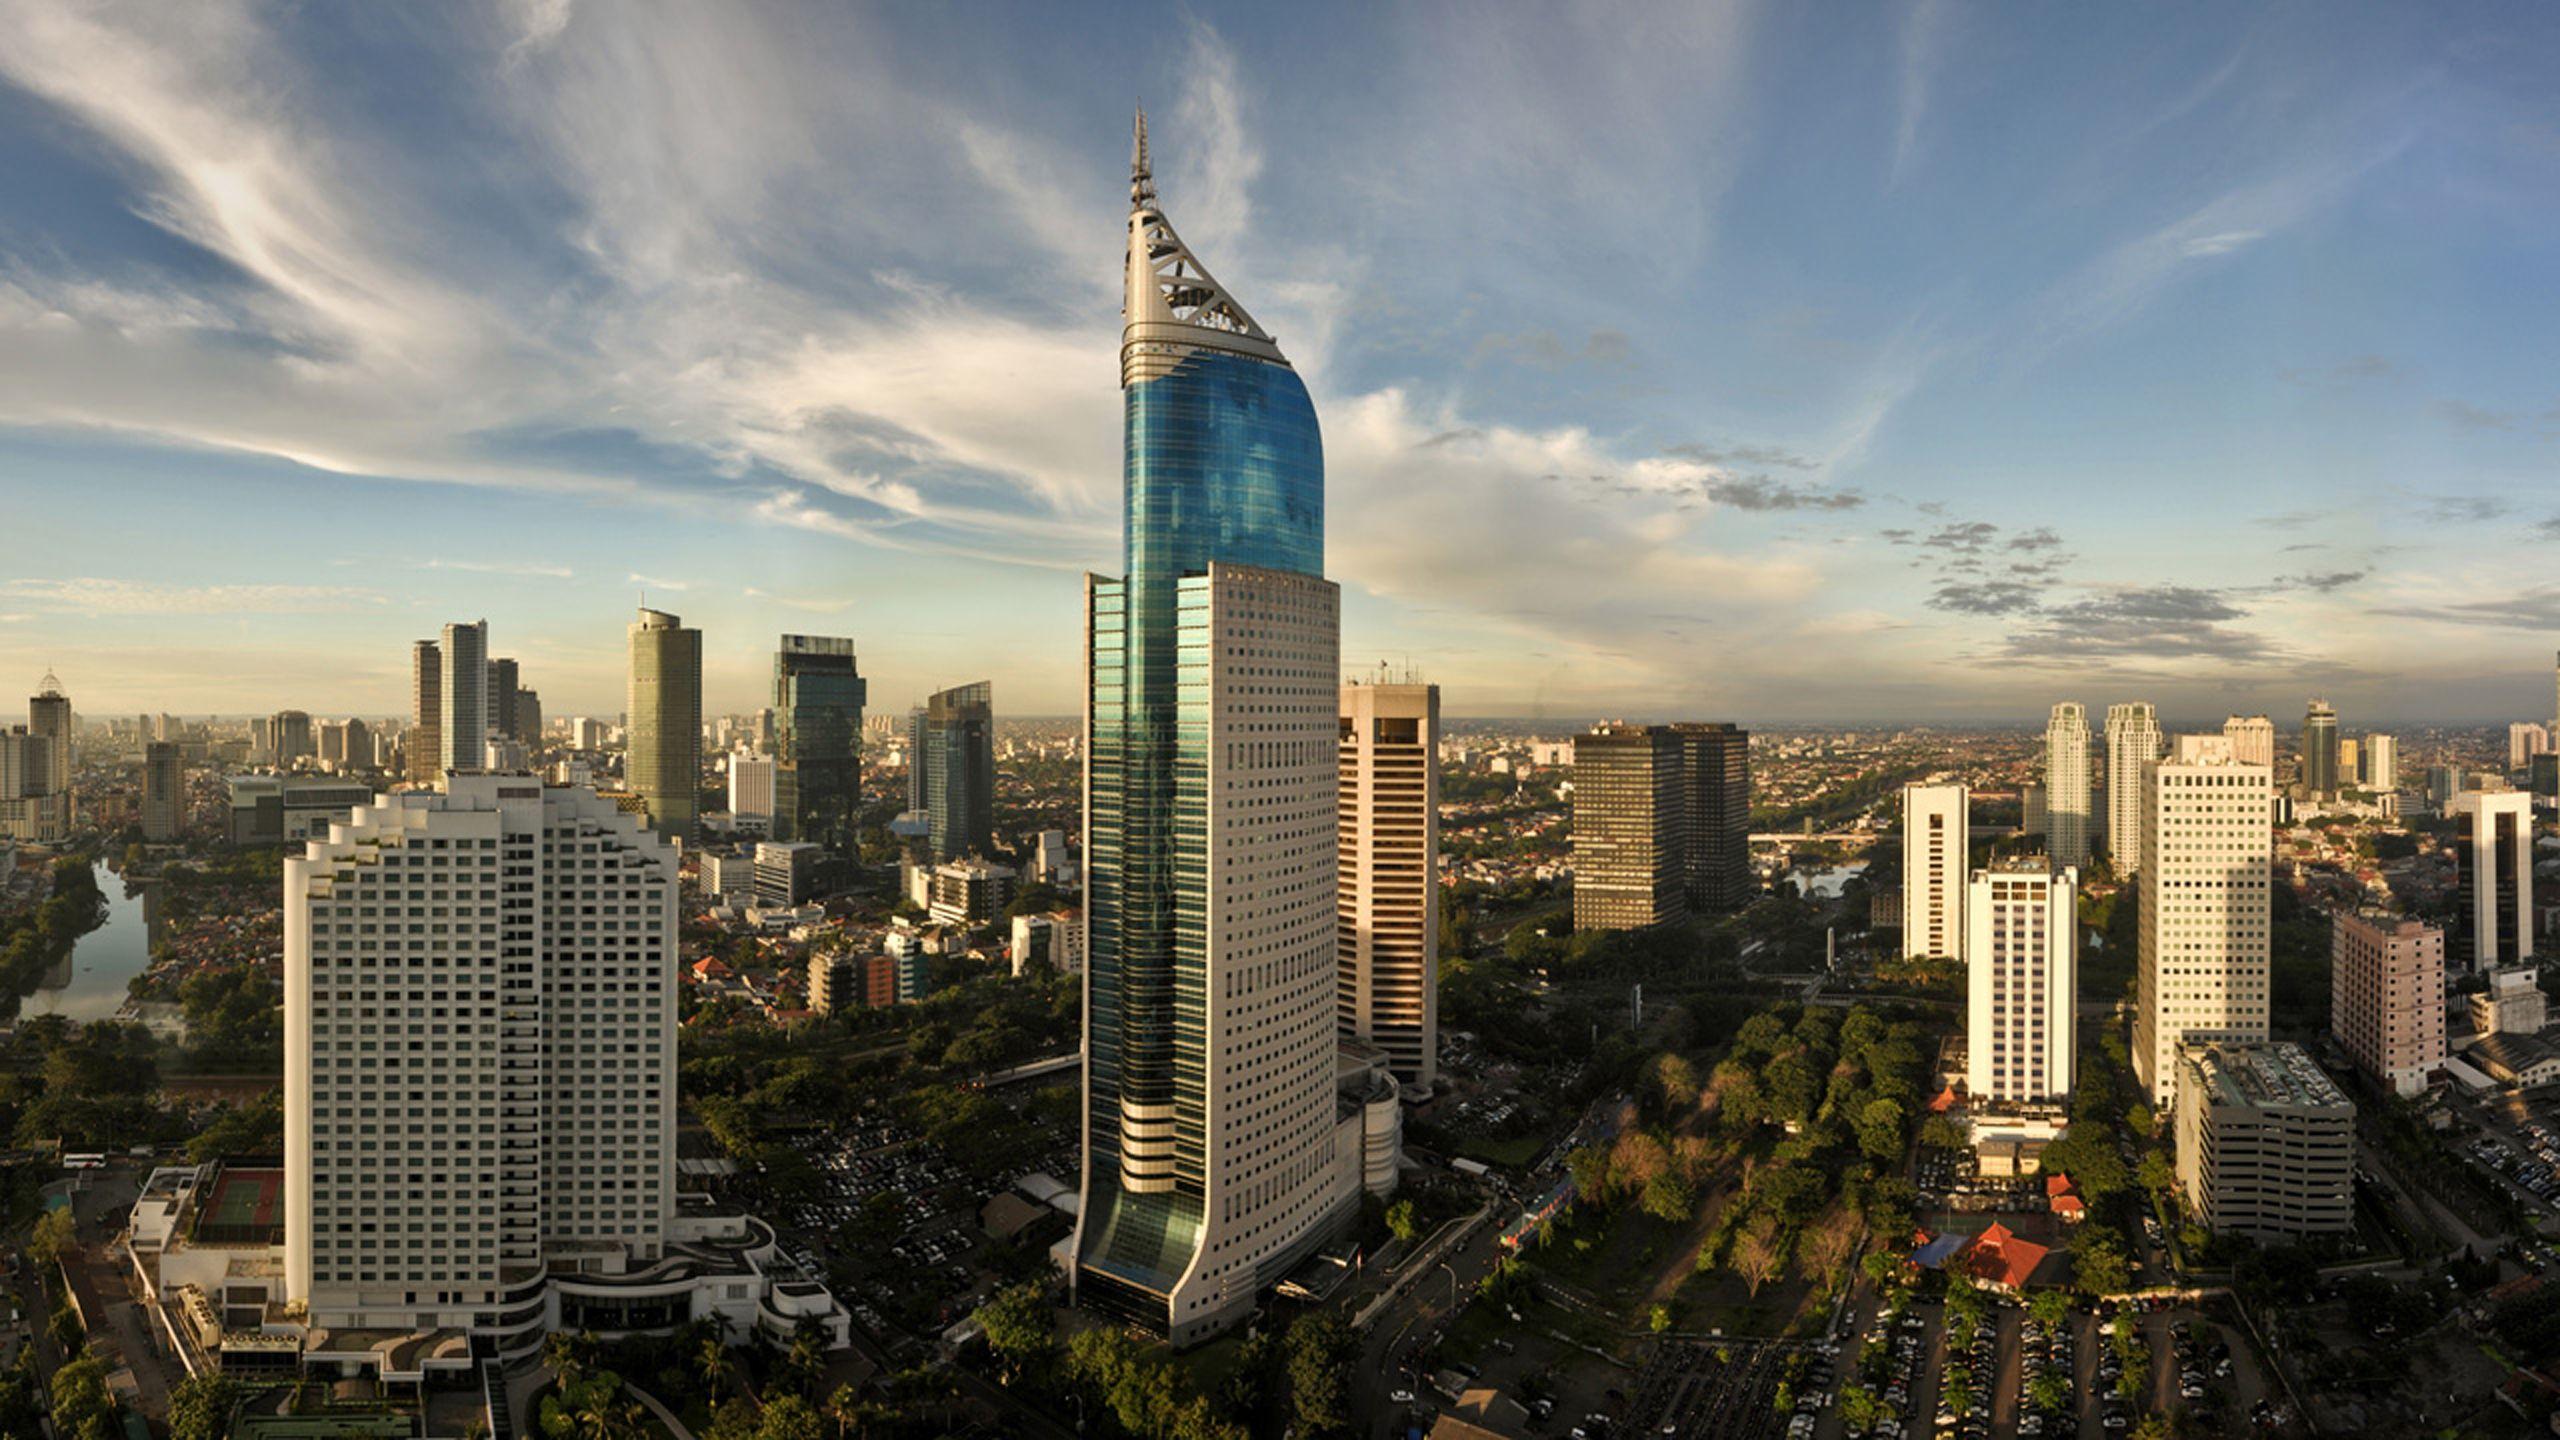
{"x": 1142, "y": 180}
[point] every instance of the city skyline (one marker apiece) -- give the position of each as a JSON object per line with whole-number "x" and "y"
{"x": 1700, "y": 429}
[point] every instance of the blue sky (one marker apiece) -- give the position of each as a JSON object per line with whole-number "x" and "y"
{"x": 1769, "y": 361}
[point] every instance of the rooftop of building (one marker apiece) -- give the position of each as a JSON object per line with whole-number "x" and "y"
{"x": 2266, "y": 1075}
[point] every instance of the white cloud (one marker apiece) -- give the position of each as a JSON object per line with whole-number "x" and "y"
{"x": 501, "y": 567}
{"x": 95, "y": 595}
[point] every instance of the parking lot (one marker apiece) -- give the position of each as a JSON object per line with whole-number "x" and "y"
{"x": 1729, "y": 1391}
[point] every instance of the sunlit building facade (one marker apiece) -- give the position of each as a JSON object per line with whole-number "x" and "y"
{"x": 1214, "y": 1158}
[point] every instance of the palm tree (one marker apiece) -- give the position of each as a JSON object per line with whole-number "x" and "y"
{"x": 712, "y": 1360}
{"x": 844, "y": 1405}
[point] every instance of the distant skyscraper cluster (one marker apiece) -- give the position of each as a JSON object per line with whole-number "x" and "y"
{"x": 35, "y": 770}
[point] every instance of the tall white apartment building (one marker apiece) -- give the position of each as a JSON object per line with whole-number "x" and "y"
{"x": 479, "y": 1056}
{"x": 1387, "y": 933}
{"x": 2381, "y": 762}
{"x": 2208, "y": 842}
{"x": 1935, "y": 845}
{"x": 2022, "y": 980}
{"x": 751, "y": 790}
{"x": 463, "y": 721}
{"x": 2526, "y": 739}
{"x": 2253, "y": 739}
{"x": 2066, "y": 785}
{"x": 2133, "y": 741}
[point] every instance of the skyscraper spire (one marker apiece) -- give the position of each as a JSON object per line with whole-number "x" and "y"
{"x": 1142, "y": 180}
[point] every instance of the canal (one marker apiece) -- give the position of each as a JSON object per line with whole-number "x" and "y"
{"x": 90, "y": 983}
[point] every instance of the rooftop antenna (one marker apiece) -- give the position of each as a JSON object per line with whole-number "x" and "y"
{"x": 1142, "y": 180}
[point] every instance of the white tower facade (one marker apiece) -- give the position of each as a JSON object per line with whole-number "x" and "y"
{"x": 2381, "y": 773}
{"x": 479, "y": 1055}
{"x": 2208, "y": 846}
{"x": 1389, "y": 875}
{"x": 2022, "y": 981}
{"x": 1935, "y": 844}
{"x": 2253, "y": 739}
{"x": 2133, "y": 741}
{"x": 2066, "y": 785}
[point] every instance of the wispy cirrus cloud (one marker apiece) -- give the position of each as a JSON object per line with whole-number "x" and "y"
{"x": 97, "y": 595}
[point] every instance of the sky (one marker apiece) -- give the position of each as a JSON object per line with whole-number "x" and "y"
{"x": 1781, "y": 363}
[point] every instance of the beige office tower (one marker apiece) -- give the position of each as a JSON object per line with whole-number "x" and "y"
{"x": 2066, "y": 785}
{"x": 164, "y": 792}
{"x": 2386, "y": 997}
{"x": 2022, "y": 977}
{"x": 422, "y": 750}
{"x": 479, "y": 1058}
{"x": 2253, "y": 739}
{"x": 2208, "y": 840}
{"x": 1387, "y": 891}
{"x": 2133, "y": 741}
{"x": 462, "y": 708}
{"x": 2381, "y": 764}
{"x": 1935, "y": 844}
{"x": 664, "y": 763}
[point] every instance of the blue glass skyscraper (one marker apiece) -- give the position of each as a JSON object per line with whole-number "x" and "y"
{"x": 1213, "y": 1161}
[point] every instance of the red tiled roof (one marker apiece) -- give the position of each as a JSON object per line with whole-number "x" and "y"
{"x": 2001, "y": 1258}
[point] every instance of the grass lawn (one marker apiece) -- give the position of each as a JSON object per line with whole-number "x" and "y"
{"x": 1513, "y": 1153}
{"x": 1612, "y": 1258}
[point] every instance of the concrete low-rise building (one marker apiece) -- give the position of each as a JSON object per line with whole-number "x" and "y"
{"x": 2266, "y": 1142}
{"x": 2512, "y": 1005}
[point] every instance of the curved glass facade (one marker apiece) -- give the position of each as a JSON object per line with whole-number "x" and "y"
{"x": 1223, "y": 463}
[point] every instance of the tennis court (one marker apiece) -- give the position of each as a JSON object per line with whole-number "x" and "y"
{"x": 243, "y": 1207}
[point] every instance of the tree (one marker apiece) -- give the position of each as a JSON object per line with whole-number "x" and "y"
{"x": 1757, "y": 1254}
{"x": 2049, "y": 1308}
{"x": 711, "y": 1362}
{"x": 1320, "y": 1349}
{"x": 2156, "y": 1174}
{"x": 1677, "y": 1080}
{"x": 1658, "y": 1319}
{"x": 53, "y": 1234}
{"x": 82, "y": 1408}
{"x": 1669, "y": 1198}
{"x": 200, "y": 1408}
{"x": 1401, "y": 1222}
{"x": 2049, "y": 1392}
{"x": 1823, "y": 1250}
{"x": 788, "y": 1417}
{"x": 2099, "y": 1265}
{"x": 1019, "y": 1326}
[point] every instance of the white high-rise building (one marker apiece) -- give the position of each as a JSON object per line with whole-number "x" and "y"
{"x": 2133, "y": 741}
{"x": 462, "y": 735}
{"x": 2253, "y": 739}
{"x": 1388, "y": 930}
{"x": 2525, "y": 739}
{"x": 1936, "y": 842}
{"x": 2381, "y": 760}
{"x": 479, "y": 1055}
{"x": 2066, "y": 785}
{"x": 2208, "y": 845}
{"x": 2022, "y": 980}
{"x": 751, "y": 789}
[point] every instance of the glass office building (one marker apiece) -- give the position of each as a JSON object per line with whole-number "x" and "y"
{"x": 817, "y": 741}
{"x": 1210, "y": 825}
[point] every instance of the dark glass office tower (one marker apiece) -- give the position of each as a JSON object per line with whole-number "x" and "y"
{"x": 817, "y": 741}
{"x": 1213, "y": 1161}
{"x": 959, "y": 764}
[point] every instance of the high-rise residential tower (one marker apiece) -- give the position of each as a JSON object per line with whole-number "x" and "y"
{"x": 2386, "y": 997}
{"x": 2253, "y": 740}
{"x": 960, "y": 770}
{"x": 2526, "y": 739}
{"x": 1388, "y": 869}
{"x": 2320, "y": 751}
{"x": 2066, "y": 785}
{"x": 1936, "y": 841}
{"x": 505, "y": 678}
{"x": 2493, "y": 879}
{"x": 817, "y": 741}
{"x": 2022, "y": 982}
{"x": 2133, "y": 741}
{"x": 164, "y": 792}
{"x": 467, "y": 1110}
{"x": 1214, "y": 1156}
{"x": 294, "y": 737}
{"x": 462, "y": 734}
{"x": 2208, "y": 844}
{"x": 422, "y": 752}
{"x": 664, "y": 762}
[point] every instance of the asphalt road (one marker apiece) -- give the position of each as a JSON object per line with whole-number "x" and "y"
{"x": 1423, "y": 1311}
